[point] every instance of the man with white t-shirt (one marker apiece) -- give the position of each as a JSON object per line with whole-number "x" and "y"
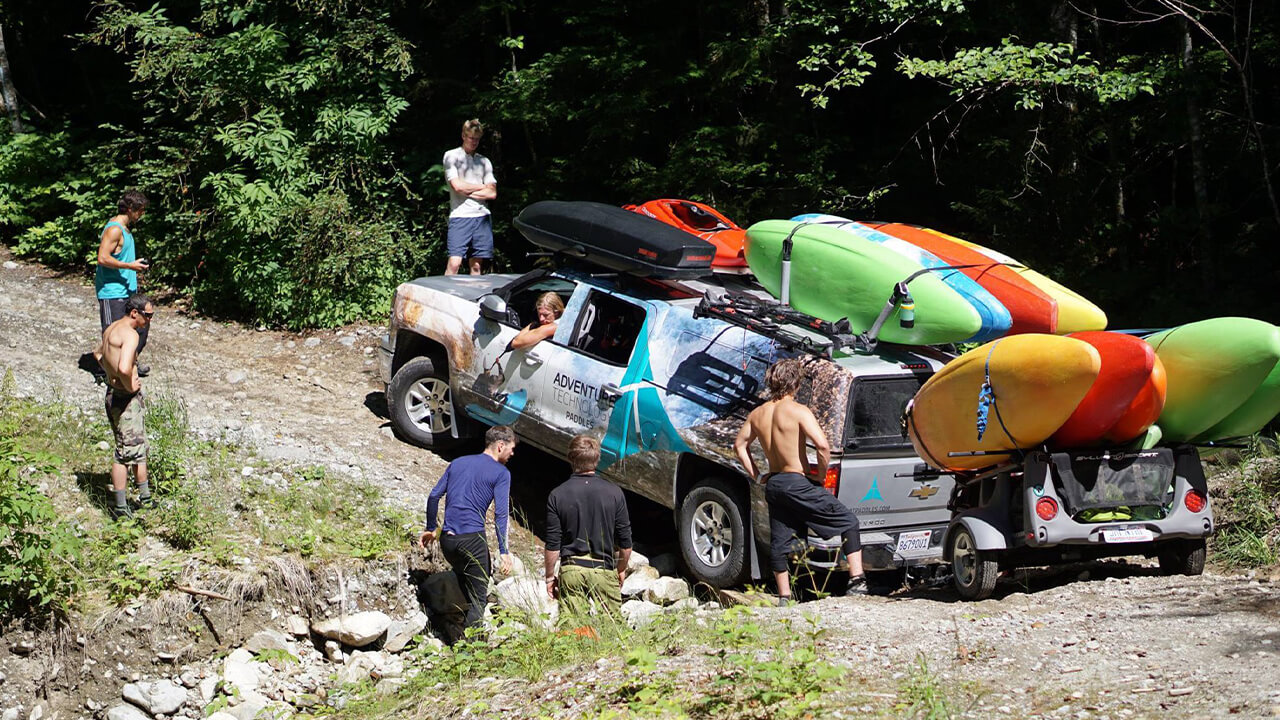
{"x": 471, "y": 185}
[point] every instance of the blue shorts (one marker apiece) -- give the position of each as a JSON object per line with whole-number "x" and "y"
{"x": 473, "y": 232}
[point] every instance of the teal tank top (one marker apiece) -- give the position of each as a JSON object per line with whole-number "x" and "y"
{"x": 112, "y": 283}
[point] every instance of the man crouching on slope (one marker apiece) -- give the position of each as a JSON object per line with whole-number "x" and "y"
{"x": 796, "y": 504}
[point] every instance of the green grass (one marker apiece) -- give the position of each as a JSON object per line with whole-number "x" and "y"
{"x": 1247, "y": 509}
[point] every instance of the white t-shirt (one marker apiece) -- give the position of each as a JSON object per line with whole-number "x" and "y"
{"x": 473, "y": 168}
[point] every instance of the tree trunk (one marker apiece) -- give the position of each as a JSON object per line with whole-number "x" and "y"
{"x": 1199, "y": 181}
{"x": 8, "y": 93}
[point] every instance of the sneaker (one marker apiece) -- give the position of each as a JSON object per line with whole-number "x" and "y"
{"x": 786, "y": 602}
{"x": 146, "y": 503}
{"x": 857, "y": 585}
{"x": 121, "y": 513}
{"x": 143, "y": 370}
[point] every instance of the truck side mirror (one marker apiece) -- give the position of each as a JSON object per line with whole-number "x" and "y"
{"x": 493, "y": 308}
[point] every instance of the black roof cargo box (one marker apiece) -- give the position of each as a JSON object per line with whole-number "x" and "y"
{"x": 616, "y": 239}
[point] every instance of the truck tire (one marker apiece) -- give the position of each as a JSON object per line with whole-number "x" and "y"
{"x": 1182, "y": 557}
{"x": 714, "y": 533}
{"x": 418, "y": 402}
{"x": 974, "y": 571}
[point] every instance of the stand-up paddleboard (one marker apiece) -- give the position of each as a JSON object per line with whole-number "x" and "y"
{"x": 996, "y": 320}
{"x": 1252, "y": 415}
{"x": 1005, "y": 396}
{"x": 616, "y": 239}
{"x": 1214, "y": 366}
{"x": 1031, "y": 310}
{"x": 1075, "y": 312}
{"x": 835, "y": 274}
{"x": 704, "y": 221}
{"x": 1127, "y": 365}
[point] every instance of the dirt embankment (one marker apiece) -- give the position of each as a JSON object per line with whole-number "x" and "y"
{"x": 1108, "y": 640}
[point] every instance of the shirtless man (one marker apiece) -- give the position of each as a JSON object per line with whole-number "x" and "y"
{"x": 117, "y": 354}
{"x": 796, "y": 504}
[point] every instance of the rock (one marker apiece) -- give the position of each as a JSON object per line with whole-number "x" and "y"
{"x": 333, "y": 650}
{"x": 235, "y": 377}
{"x": 639, "y": 613}
{"x": 3, "y": 677}
{"x": 527, "y": 595}
{"x": 251, "y": 705}
{"x": 442, "y": 595}
{"x": 297, "y": 626}
{"x": 267, "y": 640}
{"x": 208, "y": 689}
{"x": 729, "y": 598}
{"x": 667, "y": 590}
{"x": 239, "y": 395}
{"x": 221, "y": 715}
{"x": 157, "y": 698}
{"x": 639, "y": 581}
{"x": 348, "y": 341}
{"x": 12, "y": 714}
{"x": 355, "y": 630}
{"x": 120, "y": 712}
{"x": 517, "y": 566}
{"x": 303, "y": 701}
{"x": 683, "y": 605}
{"x": 360, "y": 666}
{"x": 189, "y": 679}
{"x": 665, "y": 564}
{"x": 104, "y": 445}
{"x": 241, "y": 672}
{"x": 636, "y": 562}
{"x": 10, "y": 265}
{"x": 311, "y": 342}
{"x": 402, "y": 631}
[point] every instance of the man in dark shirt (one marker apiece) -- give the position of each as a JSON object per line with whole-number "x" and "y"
{"x": 586, "y": 518}
{"x": 469, "y": 485}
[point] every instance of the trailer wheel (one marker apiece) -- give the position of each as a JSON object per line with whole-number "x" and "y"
{"x": 1182, "y": 557}
{"x": 974, "y": 571}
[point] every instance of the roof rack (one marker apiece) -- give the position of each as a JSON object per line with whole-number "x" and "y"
{"x": 771, "y": 319}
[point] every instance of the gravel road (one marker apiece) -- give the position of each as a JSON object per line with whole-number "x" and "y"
{"x": 1108, "y": 639}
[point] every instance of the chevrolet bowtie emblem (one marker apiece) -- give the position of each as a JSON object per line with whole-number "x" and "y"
{"x": 924, "y": 492}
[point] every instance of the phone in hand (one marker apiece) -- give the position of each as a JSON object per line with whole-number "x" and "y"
{"x": 145, "y": 262}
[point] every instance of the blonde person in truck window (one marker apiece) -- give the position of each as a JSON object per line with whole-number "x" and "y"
{"x": 549, "y": 307}
{"x": 797, "y": 504}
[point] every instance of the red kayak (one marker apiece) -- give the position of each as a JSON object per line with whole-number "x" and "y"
{"x": 705, "y": 222}
{"x": 1124, "y": 394}
{"x": 1032, "y": 310}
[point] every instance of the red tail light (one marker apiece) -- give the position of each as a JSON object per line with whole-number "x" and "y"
{"x": 1047, "y": 508}
{"x": 1195, "y": 501}
{"x": 831, "y": 481}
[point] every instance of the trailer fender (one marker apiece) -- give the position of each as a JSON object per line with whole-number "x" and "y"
{"x": 985, "y": 533}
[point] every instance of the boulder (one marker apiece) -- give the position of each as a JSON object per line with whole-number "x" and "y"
{"x": 358, "y": 630}
{"x": 667, "y": 590}
{"x": 267, "y": 640}
{"x": 157, "y": 698}
{"x": 360, "y": 666}
{"x": 126, "y": 712}
{"x": 529, "y": 596}
{"x": 251, "y": 705}
{"x": 297, "y": 626}
{"x": 682, "y": 605}
{"x": 402, "y": 631}
{"x": 241, "y": 672}
{"x": 636, "y": 562}
{"x": 639, "y": 581}
{"x": 639, "y": 613}
{"x": 333, "y": 650}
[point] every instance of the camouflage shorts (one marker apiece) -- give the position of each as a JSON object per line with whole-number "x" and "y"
{"x": 126, "y": 413}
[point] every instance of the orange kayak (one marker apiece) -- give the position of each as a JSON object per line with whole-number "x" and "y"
{"x": 707, "y": 223}
{"x": 1032, "y": 310}
{"x": 1127, "y": 366}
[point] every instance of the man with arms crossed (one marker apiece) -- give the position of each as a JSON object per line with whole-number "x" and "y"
{"x": 471, "y": 185}
{"x": 125, "y": 409}
{"x": 586, "y": 518}
{"x": 468, "y": 486}
{"x": 796, "y": 504}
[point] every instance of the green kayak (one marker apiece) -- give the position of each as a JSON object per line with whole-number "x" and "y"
{"x": 1258, "y": 410}
{"x": 1214, "y": 367}
{"x": 836, "y": 274}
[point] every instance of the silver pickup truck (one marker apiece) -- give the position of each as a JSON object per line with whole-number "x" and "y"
{"x": 665, "y": 389}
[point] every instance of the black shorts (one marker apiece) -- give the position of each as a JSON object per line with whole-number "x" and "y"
{"x": 798, "y": 507}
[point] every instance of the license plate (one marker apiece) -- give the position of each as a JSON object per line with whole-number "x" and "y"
{"x": 1128, "y": 535}
{"x": 914, "y": 541}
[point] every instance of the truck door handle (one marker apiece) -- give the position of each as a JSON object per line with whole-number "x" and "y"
{"x": 532, "y": 358}
{"x": 610, "y": 394}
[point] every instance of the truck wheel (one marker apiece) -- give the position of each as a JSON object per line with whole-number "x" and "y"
{"x": 1182, "y": 557}
{"x": 714, "y": 534}
{"x": 418, "y": 402}
{"x": 975, "y": 571}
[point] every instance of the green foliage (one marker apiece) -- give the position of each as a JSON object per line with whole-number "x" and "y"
{"x": 38, "y": 550}
{"x": 923, "y": 695}
{"x": 1248, "y": 513}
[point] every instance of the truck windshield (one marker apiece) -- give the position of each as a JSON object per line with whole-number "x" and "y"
{"x": 876, "y": 409}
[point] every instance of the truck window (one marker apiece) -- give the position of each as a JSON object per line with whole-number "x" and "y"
{"x": 607, "y": 328}
{"x": 877, "y": 406}
{"x": 520, "y": 311}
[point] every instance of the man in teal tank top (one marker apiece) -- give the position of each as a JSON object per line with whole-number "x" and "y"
{"x": 116, "y": 277}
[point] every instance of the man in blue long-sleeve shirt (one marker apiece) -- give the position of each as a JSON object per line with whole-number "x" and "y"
{"x": 468, "y": 486}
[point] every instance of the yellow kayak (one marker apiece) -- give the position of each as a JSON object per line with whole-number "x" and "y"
{"x": 1035, "y": 382}
{"x": 1075, "y": 312}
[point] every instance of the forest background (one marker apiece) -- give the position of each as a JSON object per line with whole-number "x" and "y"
{"x": 291, "y": 148}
